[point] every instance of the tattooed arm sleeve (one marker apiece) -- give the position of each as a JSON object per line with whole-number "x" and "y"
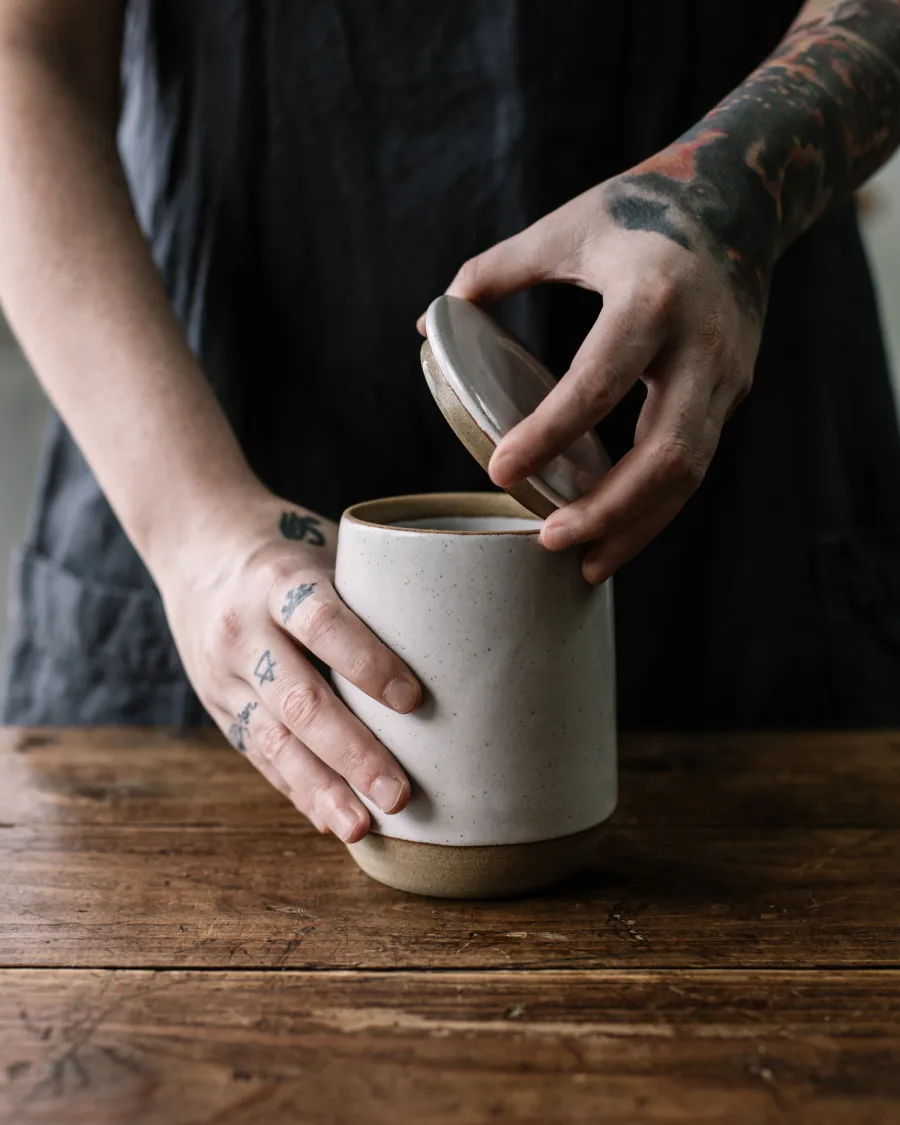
{"x": 806, "y": 128}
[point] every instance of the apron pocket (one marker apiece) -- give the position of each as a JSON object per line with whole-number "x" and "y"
{"x": 80, "y": 651}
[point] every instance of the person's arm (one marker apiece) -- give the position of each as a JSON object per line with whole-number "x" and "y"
{"x": 682, "y": 248}
{"x": 244, "y": 577}
{"x": 79, "y": 287}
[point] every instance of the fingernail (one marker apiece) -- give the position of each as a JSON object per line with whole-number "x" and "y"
{"x": 386, "y": 792}
{"x": 343, "y": 823}
{"x": 401, "y": 695}
{"x": 420, "y": 324}
{"x": 594, "y": 573}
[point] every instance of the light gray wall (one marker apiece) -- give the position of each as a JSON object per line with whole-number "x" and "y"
{"x": 22, "y": 413}
{"x": 22, "y": 406}
{"x": 881, "y": 229}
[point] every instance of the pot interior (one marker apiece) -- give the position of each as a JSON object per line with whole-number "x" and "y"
{"x": 460, "y": 513}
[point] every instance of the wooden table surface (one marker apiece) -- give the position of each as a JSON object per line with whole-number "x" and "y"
{"x": 177, "y": 946}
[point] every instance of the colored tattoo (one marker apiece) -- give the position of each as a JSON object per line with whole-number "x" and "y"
{"x": 303, "y": 529}
{"x": 265, "y": 668}
{"x": 802, "y": 133}
{"x": 294, "y": 598}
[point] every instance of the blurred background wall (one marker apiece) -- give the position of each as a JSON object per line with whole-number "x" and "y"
{"x": 23, "y": 408}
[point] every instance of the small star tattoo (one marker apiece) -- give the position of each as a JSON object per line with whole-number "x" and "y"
{"x": 236, "y": 738}
{"x": 294, "y": 598}
{"x": 303, "y": 529}
{"x": 265, "y": 668}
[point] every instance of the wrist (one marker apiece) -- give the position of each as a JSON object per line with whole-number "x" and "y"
{"x": 198, "y": 516}
{"x": 230, "y": 528}
{"x": 700, "y": 193}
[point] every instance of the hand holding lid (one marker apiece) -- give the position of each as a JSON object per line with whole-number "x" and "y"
{"x": 485, "y": 382}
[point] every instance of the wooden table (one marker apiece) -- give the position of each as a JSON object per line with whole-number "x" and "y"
{"x": 178, "y": 947}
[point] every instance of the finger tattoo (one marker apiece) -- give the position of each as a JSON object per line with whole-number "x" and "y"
{"x": 265, "y": 668}
{"x": 294, "y": 598}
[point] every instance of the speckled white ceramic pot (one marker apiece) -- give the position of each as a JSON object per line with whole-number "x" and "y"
{"x": 512, "y": 756}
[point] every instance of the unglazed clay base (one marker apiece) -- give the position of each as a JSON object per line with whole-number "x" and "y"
{"x": 493, "y": 871}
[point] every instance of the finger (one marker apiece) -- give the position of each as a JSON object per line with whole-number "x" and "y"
{"x": 510, "y": 266}
{"x": 665, "y": 468}
{"x": 309, "y": 609}
{"x": 618, "y": 548}
{"x": 616, "y": 352}
{"x": 294, "y": 770}
{"x": 299, "y": 697}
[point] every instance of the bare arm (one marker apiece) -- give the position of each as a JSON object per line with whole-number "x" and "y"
{"x": 682, "y": 247}
{"x": 246, "y": 580}
{"x": 80, "y": 288}
{"x": 806, "y": 129}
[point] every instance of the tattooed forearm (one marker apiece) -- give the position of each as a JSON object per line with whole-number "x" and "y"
{"x": 294, "y": 598}
{"x": 805, "y": 129}
{"x": 265, "y": 668}
{"x": 304, "y": 529}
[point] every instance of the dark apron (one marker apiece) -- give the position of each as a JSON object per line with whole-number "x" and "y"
{"x": 309, "y": 174}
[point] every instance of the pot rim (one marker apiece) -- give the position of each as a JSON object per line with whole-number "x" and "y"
{"x": 385, "y": 513}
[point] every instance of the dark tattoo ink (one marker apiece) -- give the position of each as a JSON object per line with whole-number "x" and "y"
{"x": 239, "y": 730}
{"x": 636, "y": 213}
{"x": 303, "y": 529}
{"x": 294, "y": 598}
{"x": 244, "y": 716}
{"x": 800, "y": 134}
{"x": 265, "y": 668}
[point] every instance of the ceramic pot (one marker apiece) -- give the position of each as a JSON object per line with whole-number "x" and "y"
{"x": 512, "y": 756}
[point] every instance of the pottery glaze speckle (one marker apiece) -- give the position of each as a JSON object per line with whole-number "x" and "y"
{"x": 514, "y": 746}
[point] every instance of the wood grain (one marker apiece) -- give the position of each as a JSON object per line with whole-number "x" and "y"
{"x": 196, "y": 897}
{"x": 181, "y": 948}
{"x": 735, "y": 1048}
{"x": 158, "y": 777}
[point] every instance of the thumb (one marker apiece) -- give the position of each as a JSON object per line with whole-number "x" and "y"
{"x": 509, "y": 267}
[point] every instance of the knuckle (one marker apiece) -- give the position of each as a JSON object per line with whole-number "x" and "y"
{"x": 676, "y": 462}
{"x": 357, "y": 763}
{"x": 361, "y": 662}
{"x": 469, "y": 272}
{"x": 712, "y": 333}
{"x": 274, "y": 743}
{"x": 659, "y": 297}
{"x": 286, "y": 569}
{"x": 321, "y": 621}
{"x": 595, "y": 388}
{"x": 227, "y": 630}
{"x": 319, "y": 797}
{"x": 302, "y": 705}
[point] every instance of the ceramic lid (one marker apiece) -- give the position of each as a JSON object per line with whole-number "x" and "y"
{"x": 485, "y": 382}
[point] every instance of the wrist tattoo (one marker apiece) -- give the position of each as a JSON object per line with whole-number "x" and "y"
{"x": 801, "y": 133}
{"x": 302, "y": 529}
{"x": 294, "y": 598}
{"x": 265, "y": 668}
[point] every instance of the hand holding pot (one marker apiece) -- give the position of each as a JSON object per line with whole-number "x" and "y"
{"x": 243, "y": 607}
